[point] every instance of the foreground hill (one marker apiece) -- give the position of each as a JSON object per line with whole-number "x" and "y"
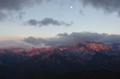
{"x": 101, "y": 74}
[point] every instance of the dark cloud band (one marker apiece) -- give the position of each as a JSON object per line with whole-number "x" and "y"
{"x": 46, "y": 22}
{"x": 73, "y": 38}
{"x": 107, "y": 5}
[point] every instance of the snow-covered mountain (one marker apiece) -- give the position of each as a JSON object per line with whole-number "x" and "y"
{"x": 84, "y": 46}
{"x": 61, "y": 59}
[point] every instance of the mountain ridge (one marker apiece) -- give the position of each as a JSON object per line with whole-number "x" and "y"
{"x": 93, "y": 46}
{"x": 60, "y": 59}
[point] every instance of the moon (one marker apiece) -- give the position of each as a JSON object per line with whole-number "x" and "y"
{"x": 71, "y": 7}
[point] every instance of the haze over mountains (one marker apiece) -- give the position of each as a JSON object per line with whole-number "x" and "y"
{"x": 17, "y": 63}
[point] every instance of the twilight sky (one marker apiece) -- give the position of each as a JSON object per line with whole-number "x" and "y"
{"x": 39, "y": 23}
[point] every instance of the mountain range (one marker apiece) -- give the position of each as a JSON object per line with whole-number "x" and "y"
{"x": 17, "y": 63}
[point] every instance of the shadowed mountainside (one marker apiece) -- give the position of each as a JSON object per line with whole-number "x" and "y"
{"x": 101, "y": 74}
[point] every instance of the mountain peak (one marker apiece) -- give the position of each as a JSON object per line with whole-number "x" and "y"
{"x": 96, "y": 46}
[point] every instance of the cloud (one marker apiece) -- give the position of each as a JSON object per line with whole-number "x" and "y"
{"x": 2, "y": 16}
{"x": 32, "y": 22}
{"x": 32, "y": 41}
{"x": 10, "y": 44}
{"x": 7, "y": 6}
{"x": 16, "y": 5}
{"x": 11, "y": 6}
{"x": 46, "y": 22}
{"x": 81, "y": 12}
{"x": 75, "y": 37}
{"x": 107, "y": 5}
{"x": 21, "y": 15}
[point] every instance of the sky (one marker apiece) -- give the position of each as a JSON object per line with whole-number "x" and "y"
{"x": 40, "y": 23}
